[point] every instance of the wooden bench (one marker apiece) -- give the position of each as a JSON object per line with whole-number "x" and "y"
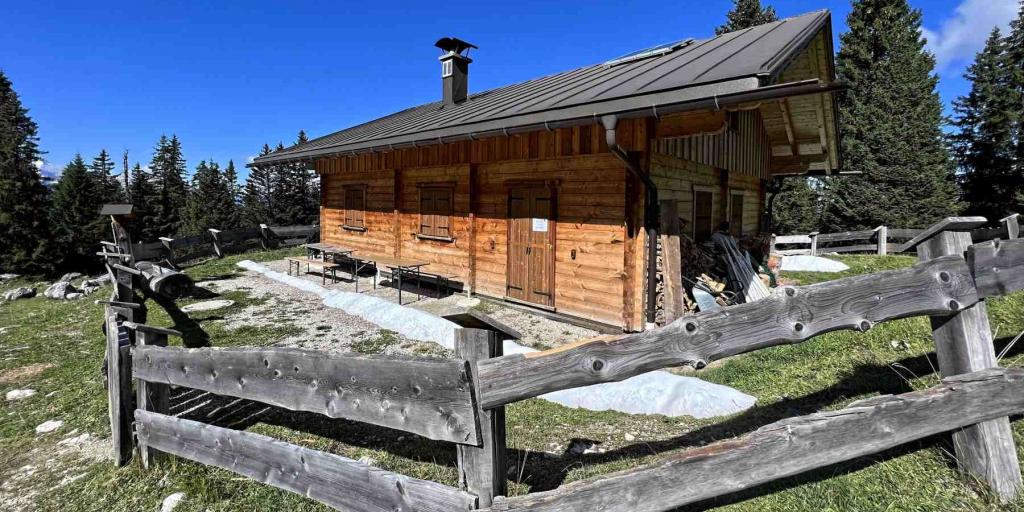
{"x": 325, "y": 266}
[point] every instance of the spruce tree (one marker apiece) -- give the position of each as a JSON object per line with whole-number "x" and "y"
{"x": 74, "y": 216}
{"x": 795, "y": 207}
{"x": 257, "y": 197}
{"x": 168, "y": 168}
{"x": 891, "y": 120}
{"x": 231, "y": 180}
{"x": 144, "y": 199}
{"x": 209, "y": 203}
{"x": 23, "y": 197}
{"x": 746, "y": 14}
{"x": 102, "y": 170}
{"x": 1015, "y": 64}
{"x": 983, "y": 144}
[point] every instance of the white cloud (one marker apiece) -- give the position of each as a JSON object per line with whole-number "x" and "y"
{"x": 963, "y": 33}
{"x": 48, "y": 170}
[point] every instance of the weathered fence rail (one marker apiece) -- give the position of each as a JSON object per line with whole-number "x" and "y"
{"x": 216, "y": 243}
{"x": 461, "y": 400}
{"x": 880, "y": 240}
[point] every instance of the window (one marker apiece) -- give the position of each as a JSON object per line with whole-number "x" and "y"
{"x": 436, "y": 211}
{"x": 736, "y": 214}
{"x": 702, "y": 218}
{"x": 355, "y": 208}
{"x": 446, "y": 68}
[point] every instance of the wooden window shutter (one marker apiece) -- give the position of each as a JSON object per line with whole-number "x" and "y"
{"x": 436, "y": 211}
{"x": 427, "y": 212}
{"x": 355, "y": 207}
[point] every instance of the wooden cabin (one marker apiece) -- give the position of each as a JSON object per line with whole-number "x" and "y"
{"x": 545, "y": 192}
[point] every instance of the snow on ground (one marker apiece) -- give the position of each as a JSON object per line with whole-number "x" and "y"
{"x": 657, "y": 392}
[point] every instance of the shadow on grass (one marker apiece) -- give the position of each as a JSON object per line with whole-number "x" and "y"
{"x": 192, "y": 333}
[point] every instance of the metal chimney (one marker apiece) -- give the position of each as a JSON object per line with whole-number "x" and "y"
{"x": 454, "y": 69}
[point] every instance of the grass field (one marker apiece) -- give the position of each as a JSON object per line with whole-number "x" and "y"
{"x": 56, "y": 348}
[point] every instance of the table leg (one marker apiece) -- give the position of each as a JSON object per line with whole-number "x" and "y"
{"x": 419, "y": 284}
{"x": 399, "y": 285}
{"x": 355, "y": 274}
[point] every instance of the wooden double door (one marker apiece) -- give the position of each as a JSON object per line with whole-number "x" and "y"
{"x": 531, "y": 245}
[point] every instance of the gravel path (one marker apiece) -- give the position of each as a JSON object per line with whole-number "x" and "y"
{"x": 325, "y": 328}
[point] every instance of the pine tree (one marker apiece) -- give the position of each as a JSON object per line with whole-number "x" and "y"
{"x": 257, "y": 197}
{"x": 144, "y": 198}
{"x": 209, "y": 203}
{"x": 1015, "y": 64}
{"x": 890, "y": 121}
{"x": 795, "y": 208}
{"x": 168, "y": 168}
{"x": 983, "y": 144}
{"x": 746, "y": 14}
{"x": 231, "y": 180}
{"x": 76, "y": 224}
{"x": 102, "y": 169}
{"x": 23, "y": 197}
{"x": 288, "y": 192}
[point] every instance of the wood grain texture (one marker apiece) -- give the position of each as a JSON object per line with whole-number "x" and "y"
{"x": 151, "y": 397}
{"x": 334, "y": 480}
{"x": 791, "y": 315}
{"x": 997, "y": 266}
{"x": 789, "y": 447}
{"x": 118, "y": 393}
{"x": 482, "y": 469}
{"x": 671, "y": 261}
{"x": 429, "y": 397}
{"x": 963, "y": 344}
{"x": 947, "y": 224}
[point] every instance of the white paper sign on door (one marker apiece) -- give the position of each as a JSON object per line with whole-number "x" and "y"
{"x": 540, "y": 225}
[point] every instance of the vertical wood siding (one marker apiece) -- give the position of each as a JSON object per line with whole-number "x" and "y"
{"x": 742, "y": 148}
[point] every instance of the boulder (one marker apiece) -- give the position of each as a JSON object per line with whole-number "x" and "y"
{"x": 60, "y": 290}
{"x": 67, "y": 278}
{"x": 48, "y": 426}
{"x": 74, "y": 296}
{"x": 20, "y": 293}
{"x": 19, "y": 394}
{"x": 96, "y": 281}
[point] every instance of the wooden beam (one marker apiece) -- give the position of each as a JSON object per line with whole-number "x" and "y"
{"x": 691, "y": 123}
{"x": 482, "y": 469}
{"x": 993, "y": 265}
{"x": 789, "y": 447}
{"x": 334, "y": 480}
{"x": 963, "y": 344}
{"x": 118, "y": 390}
{"x": 428, "y": 397}
{"x": 793, "y": 314}
{"x": 150, "y": 396}
{"x": 671, "y": 262}
{"x": 947, "y": 224}
{"x": 787, "y": 120}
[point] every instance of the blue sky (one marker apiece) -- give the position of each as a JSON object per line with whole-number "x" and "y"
{"x": 228, "y": 77}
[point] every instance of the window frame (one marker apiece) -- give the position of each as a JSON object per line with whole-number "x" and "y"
{"x": 431, "y": 188}
{"x": 737, "y": 231}
{"x": 349, "y": 220}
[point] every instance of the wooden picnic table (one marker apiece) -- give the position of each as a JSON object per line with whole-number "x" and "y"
{"x": 323, "y": 250}
{"x": 398, "y": 267}
{"x": 324, "y": 266}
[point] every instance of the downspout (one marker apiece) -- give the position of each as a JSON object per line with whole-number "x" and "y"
{"x": 650, "y": 211}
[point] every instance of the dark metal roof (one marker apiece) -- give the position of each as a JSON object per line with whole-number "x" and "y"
{"x": 735, "y": 62}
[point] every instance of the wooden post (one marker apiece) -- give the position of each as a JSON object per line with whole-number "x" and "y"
{"x": 671, "y": 261}
{"x": 118, "y": 393}
{"x": 814, "y": 243}
{"x": 963, "y": 344}
{"x": 152, "y": 397}
{"x": 482, "y": 469}
{"x": 168, "y": 247}
{"x": 216, "y": 242}
{"x": 883, "y": 235}
{"x": 265, "y": 240}
{"x": 1012, "y": 224}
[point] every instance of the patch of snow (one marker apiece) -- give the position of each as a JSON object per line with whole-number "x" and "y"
{"x": 808, "y": 263}
{"x": 657, "y": 392}
{"x": 49, "y": 426}
{"x": 207, "y": 305}
{"x": 8, "y": 277}
{"x": 171, "y": 502}
{"x": 19, "y": 394}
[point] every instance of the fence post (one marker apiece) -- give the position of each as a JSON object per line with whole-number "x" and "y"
{"x": 883, "y": 235}
{"x": 963, "y": 344}
{"x": 168, "y": 247}
{"x": 216, "y": 242}
{"x": 814, "y": 243}
{"x": 671, "y": 261}
{"x": 152, "y": 397}
{"x": 482, "y": 469}
{"x": 1012, "y": 223}
{"x": 118, "y": 388}
{"x": 265, "y": 237}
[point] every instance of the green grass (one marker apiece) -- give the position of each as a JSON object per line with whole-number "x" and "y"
{"x": 825, "y": 373}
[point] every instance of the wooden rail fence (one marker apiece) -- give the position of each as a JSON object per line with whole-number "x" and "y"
{"x": 461, "y": 400}
{"x": 217, "y": 243}
{"x": 880, "y": 240}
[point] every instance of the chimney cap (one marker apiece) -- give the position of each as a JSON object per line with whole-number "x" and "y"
{"x": 454, "y": 45}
